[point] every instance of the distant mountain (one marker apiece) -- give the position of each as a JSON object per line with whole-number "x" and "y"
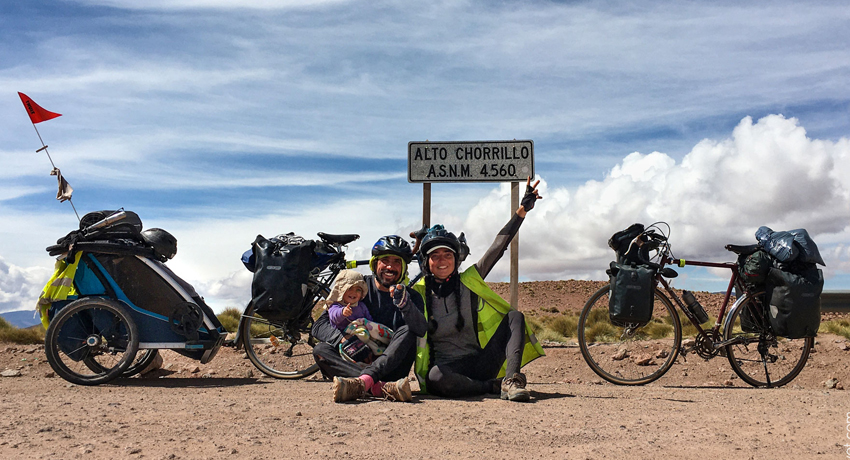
{"x": 21, "y": 319}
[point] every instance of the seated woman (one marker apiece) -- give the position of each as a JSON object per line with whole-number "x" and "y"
{"x": 473, "y": 334}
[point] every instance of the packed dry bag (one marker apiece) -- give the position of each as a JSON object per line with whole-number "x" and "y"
{"x": 632, "y": 294}
{"x": 282, "y": 267}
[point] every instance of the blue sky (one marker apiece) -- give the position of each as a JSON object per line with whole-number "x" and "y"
{"x": 220, "y": 120}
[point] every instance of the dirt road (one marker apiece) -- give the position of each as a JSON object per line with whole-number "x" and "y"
{"x": 226, "y": 410}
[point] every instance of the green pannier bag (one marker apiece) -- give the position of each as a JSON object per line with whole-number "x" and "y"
{"x": 753, "y": 268}
{"x": 632, "y": 294}
{"x": 794, "y": 307}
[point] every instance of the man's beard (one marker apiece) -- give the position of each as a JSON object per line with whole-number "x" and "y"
{"x": 383, "y": 282}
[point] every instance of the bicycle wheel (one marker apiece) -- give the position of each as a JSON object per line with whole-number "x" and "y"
{"x": 143, "y": 359}
{"x": 629, "y": 356}
{"x": 757, "y": 356}
{"x": 91, "y": 341}
{"x": 276, "y": 349}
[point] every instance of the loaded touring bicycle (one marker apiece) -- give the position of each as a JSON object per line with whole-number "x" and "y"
{"x": 112, "y": 303}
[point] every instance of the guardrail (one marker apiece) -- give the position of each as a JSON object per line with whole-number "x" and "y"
{"x": 835, "y": 302}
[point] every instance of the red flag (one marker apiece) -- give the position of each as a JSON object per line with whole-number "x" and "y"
{"x": 37, "y": 114}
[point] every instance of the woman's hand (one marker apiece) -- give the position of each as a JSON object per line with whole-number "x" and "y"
{"x": 531, "y": 195}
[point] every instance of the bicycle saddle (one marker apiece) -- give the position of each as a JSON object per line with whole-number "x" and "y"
{"x": 743, "y": 250}
{"x": 337, "y": 239}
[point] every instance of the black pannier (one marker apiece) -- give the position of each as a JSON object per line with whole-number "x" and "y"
{"x": 282, "y": 267}
{"x": 632, "y": 294}
{"x": 794, "y": 305}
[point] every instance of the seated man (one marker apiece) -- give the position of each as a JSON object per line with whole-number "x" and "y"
{"x": 391, "y": 304}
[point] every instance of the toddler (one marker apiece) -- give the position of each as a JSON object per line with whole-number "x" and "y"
{"x": 350, "y": 315}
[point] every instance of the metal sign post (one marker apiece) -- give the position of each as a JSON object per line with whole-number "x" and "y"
{"x": 515, "y": 250}
{"x": 473, "y": 161}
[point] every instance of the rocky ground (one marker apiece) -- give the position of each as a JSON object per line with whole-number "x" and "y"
{"x": 228, "y": 409}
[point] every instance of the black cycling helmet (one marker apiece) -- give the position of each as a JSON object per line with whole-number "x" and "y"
{"x": 391, "y": 245}
{"x": 163, "y": 243}
{"x": 439, "y": 237}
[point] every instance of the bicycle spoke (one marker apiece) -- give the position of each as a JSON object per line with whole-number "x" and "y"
{"x": 760, "y": 359}
{"x": 631, "y": 355}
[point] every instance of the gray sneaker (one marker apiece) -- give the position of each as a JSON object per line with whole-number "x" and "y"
{"x": 348, "y": 389}
{"x": 398, "y": 390}
{"x": 513, "y": 388}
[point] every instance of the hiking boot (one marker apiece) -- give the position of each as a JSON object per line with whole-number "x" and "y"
{"x": 513, "y": 388}
{"x": 348, "y": 389}
{"x": 398, "y": 390}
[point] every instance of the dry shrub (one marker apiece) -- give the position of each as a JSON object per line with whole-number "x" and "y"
{"x": 29, "y": 336}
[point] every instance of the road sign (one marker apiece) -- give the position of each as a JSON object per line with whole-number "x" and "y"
{"x": 474, "y": 161}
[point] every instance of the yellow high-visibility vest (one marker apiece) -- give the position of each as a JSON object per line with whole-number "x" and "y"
{"x": 60, "y": 286}
{"x": 491, "y": 310}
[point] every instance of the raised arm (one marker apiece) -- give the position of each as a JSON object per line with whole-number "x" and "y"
{"x": 507, "y": 233}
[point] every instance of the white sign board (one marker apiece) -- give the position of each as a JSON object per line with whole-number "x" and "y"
{"x": 474, "y": 161}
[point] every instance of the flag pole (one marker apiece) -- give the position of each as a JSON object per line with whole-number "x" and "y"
{"x": 44, "y": 147}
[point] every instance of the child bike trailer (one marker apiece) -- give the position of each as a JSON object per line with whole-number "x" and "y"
{"x": 112, "y": 303}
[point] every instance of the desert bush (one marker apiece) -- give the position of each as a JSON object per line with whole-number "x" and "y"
{"x": 565, "y": 325}
{"x": 29, "y": 336}
{"x": 229, "y": 319}
{"x": 838, "y": 327}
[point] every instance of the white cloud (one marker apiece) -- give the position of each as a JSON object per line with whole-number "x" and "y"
{"x": 767, "y": 173}
{"x": 20, "y": 287}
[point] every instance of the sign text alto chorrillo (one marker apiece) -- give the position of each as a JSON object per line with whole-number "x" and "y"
{"x": 474, "y": 161}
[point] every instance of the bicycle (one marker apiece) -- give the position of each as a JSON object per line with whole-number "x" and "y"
{"x": 284, "y": 349}
{"x": 637, "y": 354}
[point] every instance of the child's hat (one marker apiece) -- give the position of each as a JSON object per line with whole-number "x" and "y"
{"x": 345, "y": 280}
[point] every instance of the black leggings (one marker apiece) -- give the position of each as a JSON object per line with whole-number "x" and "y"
{"x": 473, "y": 375}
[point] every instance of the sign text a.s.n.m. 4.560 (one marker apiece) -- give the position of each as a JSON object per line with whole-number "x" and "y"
{"x": 474, "y": 161}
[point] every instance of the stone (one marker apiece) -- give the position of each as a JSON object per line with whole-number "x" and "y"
{"x": 11, "y": 373}
{"x": 644, "y": 360}
{"x": 154, "y": 365}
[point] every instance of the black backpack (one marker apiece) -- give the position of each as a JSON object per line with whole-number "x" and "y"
{"x": 283, "y": 265}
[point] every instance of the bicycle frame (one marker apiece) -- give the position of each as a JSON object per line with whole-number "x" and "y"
{"x": 734, "y": 282}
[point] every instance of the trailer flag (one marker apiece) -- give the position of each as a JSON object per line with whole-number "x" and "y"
{"x": 36, "y": 112}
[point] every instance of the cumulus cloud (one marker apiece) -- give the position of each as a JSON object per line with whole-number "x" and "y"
{"x": 19, "y": 286}
{"x": 767, "y": 173}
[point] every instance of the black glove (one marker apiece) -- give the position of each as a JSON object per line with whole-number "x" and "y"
{"x": 529, "y": 198}
{"x": 400, "y": 296}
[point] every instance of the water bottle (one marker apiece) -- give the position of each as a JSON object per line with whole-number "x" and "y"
{"x": 694, "y": 307}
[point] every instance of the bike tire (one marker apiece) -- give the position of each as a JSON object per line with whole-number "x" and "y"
{"x": 91, "y": 341}
{"x": 143, "y": 359}
{"x": 643, "y": 356}
{"x": 267, "y": 345}
{"x": 787, "y": 356}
